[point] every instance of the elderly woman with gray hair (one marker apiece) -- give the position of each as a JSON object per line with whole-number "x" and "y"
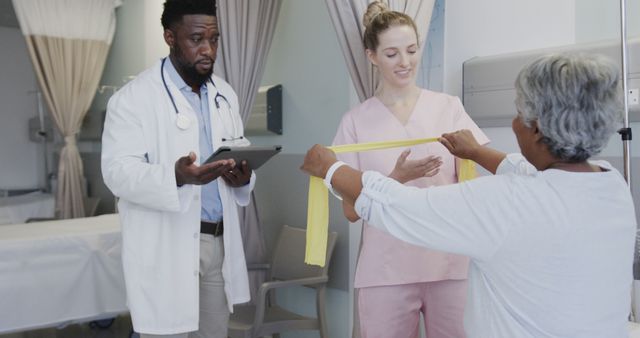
{"x": 551, "y": 235}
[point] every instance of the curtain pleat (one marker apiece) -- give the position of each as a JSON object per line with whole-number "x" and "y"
{"x": 68, "y": 42}
{"x": 247, "y": 28}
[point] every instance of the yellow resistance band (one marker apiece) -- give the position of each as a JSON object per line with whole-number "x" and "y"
{"x": 318, "y": 207}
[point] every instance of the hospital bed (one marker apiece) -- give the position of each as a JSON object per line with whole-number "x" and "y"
{"x": 17, "y": 209}
{"x": 60, "y": 272}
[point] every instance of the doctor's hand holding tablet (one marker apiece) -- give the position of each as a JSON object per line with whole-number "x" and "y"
{"x": 188, "y": 172}
{"x": 238, "y": 176}
{"x": 233, "y": 164}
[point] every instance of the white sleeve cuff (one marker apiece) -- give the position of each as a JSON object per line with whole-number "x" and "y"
{"x": 185, "y": 196}
{"x": 329, "y": 176}
{"x": 243, "y": 194}
{"x": 373, "y": 184}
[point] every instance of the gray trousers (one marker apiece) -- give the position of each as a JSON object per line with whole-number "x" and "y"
{"x": 214, "y": 314}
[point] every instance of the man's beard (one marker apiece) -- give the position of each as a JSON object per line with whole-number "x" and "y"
{"x": 188, "y": 70}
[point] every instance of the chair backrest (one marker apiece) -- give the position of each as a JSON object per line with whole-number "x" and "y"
{"x": 288, "y": 256}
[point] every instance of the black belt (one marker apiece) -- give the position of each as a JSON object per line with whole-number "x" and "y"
{"x": 212, "y": 228}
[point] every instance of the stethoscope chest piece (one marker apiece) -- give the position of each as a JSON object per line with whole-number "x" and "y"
{"x": 183, "y": 122}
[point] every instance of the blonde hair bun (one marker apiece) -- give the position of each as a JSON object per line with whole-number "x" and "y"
{"x": 374, "y": 9}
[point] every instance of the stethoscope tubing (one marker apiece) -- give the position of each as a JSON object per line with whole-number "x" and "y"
{"x": 215, "y": 99}
{"x": 164, "y": 82}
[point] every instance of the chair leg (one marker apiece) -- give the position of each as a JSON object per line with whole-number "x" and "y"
{"x": 322, "y": 321}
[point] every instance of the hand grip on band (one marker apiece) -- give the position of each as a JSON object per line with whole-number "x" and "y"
{"x": 318, "y": 204}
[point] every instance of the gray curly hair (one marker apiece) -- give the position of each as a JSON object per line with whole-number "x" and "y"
{"x": 576, "y": 101}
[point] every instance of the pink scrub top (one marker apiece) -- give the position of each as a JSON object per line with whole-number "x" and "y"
{"x": 385, "y": 260}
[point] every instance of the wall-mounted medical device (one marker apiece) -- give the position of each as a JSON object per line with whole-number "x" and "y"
{"x": 488, "y": 82}
{"x": 40, "y": 130}
{"x": 266, "y": 113}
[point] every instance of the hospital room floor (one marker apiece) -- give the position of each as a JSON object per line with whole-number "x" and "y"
{"x": 121, "y": 328}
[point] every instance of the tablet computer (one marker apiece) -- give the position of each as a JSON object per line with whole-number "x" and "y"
{"x": 255, "y": 156}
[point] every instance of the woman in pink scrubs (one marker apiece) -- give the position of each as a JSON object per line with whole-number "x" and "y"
{"x": 396, "y": 282}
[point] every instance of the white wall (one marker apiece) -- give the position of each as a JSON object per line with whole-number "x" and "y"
{"x": 154, "y": 45}
{"x": 128, "y": 50}
{"x": 600, "y": 19}
{"x": 306, "y": 59}
{"x": 137, "y": 44}
{"x": 21, "y": 161}
{"x": 481, "y": 28}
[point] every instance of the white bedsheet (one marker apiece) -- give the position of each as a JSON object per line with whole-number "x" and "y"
{"x": 17, "y": 209}
{"x": 59, "y": 272}
{"x": 634, "y": 330}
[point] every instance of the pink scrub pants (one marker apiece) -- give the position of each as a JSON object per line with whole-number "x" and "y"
{"x": 394, "y": 311}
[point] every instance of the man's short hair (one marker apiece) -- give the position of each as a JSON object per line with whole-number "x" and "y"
{"x": 174, "y": 10}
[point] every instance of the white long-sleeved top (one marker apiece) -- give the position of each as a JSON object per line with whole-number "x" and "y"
{"x": 551, "y": 251}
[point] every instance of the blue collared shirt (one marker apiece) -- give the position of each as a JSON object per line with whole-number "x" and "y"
{"x": 211, "y": 209}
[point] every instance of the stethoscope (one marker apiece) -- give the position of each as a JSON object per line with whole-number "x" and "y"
{"x": 183, "y": 122}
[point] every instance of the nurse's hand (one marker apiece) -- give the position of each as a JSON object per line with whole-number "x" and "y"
{"x": 238, "y": 176}
{"x": 318, "y": 160}
{"x": 408, "y": 170}
{"x": 187, "y": 172}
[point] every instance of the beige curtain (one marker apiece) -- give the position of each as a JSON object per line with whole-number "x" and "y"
{"x": 247, "y": 28}
{"x": 346, "y": 16}
{"x": 68, "y": 42}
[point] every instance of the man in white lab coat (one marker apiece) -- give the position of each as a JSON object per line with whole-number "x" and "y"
{"x": 182, "y": 253}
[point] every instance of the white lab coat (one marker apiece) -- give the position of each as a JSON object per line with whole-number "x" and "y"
{"x": 161, "y": 222}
